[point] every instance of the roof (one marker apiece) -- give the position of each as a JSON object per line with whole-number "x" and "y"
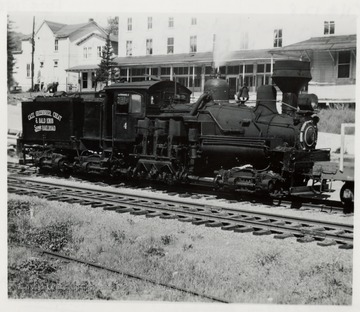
{"x": 149, "y": 85}
{"x": 112, "y": 38}
{"x": 54, "y": 26}
{"x": 64, "y": 30}
{"x": 80, "y": 68}
{"x": 199, "y": 57}
{"x": 326, "y": 43}
{"x": 67, "y": 30}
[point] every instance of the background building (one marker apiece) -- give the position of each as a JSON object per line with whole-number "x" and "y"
{"x": 67, "y": 54}
{"x": 190, "y": 47}
{"x": 187, "y": 47}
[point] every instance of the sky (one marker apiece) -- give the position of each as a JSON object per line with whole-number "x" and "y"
{"x": 23, "y": 21}
{"x": 21, "y": 12}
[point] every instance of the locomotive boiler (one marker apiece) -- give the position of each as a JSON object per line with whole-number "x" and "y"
{"x": 150, "y": 130}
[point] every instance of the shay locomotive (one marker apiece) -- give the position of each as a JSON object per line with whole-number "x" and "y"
{"x": 150, "y": 130}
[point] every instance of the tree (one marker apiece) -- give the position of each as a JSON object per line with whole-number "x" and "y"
{"x": 113, "y": 26}
{"x": 11, "y": 46}
{"x": 106, "y": 70}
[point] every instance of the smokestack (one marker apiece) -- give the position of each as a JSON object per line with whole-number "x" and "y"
{"x": 290, "y": 76}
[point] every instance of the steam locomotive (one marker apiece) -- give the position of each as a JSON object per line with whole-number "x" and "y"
{"x": 150, "y": 130}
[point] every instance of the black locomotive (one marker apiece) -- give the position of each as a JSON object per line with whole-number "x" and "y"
{"x": 150, "y": 130}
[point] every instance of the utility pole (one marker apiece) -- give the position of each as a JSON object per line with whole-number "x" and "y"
{"x": 32, "y": 55}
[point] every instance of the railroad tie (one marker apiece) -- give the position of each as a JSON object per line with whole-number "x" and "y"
{"x": 123, "y": 210}
{"x": 153, "y": 214}
{"x": 305, "y": 239}
{"x": 244, "y": 229}
{"x": 262, "y": 232}
{"x": 229, "y": 227}
{"x": 283, "y": 235}
{"x": 138, "y": 212}
{"x": 327, "y": 242}
{"x": 115, "y": 207}
{"x": 185, "y": 219}
{"x": 346, "y": 246}
{"x": 214, "y": 224}
{"x": 200, "y": 222}
{"x": 168, "y": 216}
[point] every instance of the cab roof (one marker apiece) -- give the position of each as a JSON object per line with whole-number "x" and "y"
{"x": 149, "y": 85}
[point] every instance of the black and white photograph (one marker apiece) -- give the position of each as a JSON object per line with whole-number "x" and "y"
{"x": 173, "y": 155}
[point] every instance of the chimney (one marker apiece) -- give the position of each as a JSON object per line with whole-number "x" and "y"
{"x": 290, "y": 76}
{"x": 91, "y": 20}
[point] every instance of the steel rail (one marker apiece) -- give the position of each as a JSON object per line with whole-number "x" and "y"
{"x": 294, "y": 201}
{"x": 136, "y": 200}
{"x": 130, "y": 275}
{"x": 198, "y": 213}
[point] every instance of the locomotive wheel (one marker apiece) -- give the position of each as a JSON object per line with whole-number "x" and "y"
{"x": 347, "y": 196}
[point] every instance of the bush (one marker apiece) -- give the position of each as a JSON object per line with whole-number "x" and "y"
{"x": 331, "y": 119}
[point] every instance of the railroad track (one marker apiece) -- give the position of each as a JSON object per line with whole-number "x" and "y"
{"x": 231, "y": 219}
{"x": 297, "y": 202}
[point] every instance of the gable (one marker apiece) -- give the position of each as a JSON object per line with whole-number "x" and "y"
{"x": 92, "y": 37}
{"x": 87, "y": 29}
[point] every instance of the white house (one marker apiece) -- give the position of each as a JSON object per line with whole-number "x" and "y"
{"x": 59, "y": 48}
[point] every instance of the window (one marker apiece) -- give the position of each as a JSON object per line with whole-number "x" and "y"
{"x": 263, "y": 68}
{"x": 249, "y": 69}
{"x": 329, "y": 28}
{"x": 181, "y": 70}
{"x": 171, "y": 22}
{"x": 126, "y": 102}
{"x": 170, "y": 45}
{"x": 149, "y": 22}
{"x": 233, "y": 70}
{"x": 129, "y": 24}
{"x": 135, "y": 104}
{"x": 154, "y": 71}
{"x": 140, "y": 71}
{"x": 128, "y": 48}
{"x": 165, "y": 71}
{"x": 56, "y": 63}
{"x": 277, "y": 38}
{"x": 89, "y": 52}
{"x": 85, "y": 52}
{"x": 84, "y": 80}
{"x": 193, "y": 46}
{"x": 193, "y": 21}
{"x": 41, "y": 64}
{"x": 28, "y": 70}
{"x": 56, "y": 45}
{"x": 149, "y": 45}
{"x": 344, "y": 64}
{"x": 99, "y": 51}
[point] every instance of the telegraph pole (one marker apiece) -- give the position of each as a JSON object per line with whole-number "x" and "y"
{"x": 32, "y": 55}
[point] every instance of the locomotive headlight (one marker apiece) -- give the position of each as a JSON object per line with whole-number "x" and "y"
{"x": 308, "y": 135}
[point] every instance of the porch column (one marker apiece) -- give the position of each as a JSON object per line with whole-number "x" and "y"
{"x": 79, "y": 80}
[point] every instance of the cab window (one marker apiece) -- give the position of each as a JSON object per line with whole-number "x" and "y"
{"x": 135, "y": 104}
{"x": 128, "y": 103}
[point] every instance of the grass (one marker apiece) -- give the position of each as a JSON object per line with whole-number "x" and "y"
{"x": 238, "y": 267}
{"x": 331, "y": 119}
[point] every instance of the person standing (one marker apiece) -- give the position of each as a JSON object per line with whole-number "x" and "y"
{"x": 243, "y": 94}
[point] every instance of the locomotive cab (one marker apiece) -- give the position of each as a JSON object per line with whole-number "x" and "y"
{"x": 127, "y": 103}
